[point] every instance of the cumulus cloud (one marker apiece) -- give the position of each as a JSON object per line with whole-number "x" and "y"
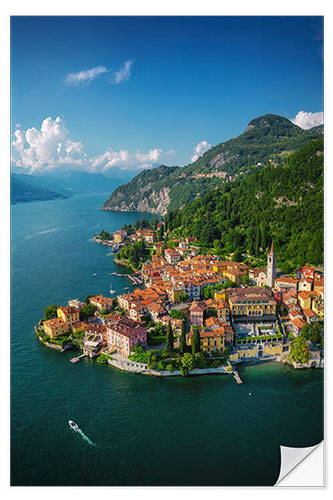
{"x": 47, "y": 148}
{"x": 85, "y": 76}
{"x": 124, "y": 73}
{"x": 200, "y": 149}
{"x": 308, "y": 120}
{"x": 51, "y": 148}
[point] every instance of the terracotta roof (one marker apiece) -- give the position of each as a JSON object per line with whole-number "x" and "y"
{"x": 55, "y": 322}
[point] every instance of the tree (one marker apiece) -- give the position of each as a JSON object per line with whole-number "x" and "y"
{"x": 245, "y": 280}
{"x": 87, "y": 311}
{"x": 88, "y": 297}
{"x": 299, "y": 350}
{"x": 174, "y": 313}
{"x": 187, "y": 361}
{"x": 169, "y": 338}
{"x": 182, "y": 340}
{"x": 195, "y": 344}
{"x": 314, "y": 333}
{"x": 50, "y": 311}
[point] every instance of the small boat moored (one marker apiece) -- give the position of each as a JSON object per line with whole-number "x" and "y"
{"x": 73, "y": 425}
{"x": 95, "y": 274}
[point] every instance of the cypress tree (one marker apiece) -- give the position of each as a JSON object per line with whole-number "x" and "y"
{"x": 257, "y": 240}
{"x": 169, "y": 338}
{"x": 182, "y": 340}
{"x": 195, "y": 344}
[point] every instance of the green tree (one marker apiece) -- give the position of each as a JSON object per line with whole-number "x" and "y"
{"x": 87, "y": 311}
{"x": 195, "y": 344}
{"x": 50, "y": 311}
{"x": 314, "y": 333}
{"x": 245, "y": 280}
{"x": 182, "y": 340}
{"x": 88, "y": 297}
{"x": 187, "y": 361}
{"x": 299, "y": 350}
{"x": 174, "y": 313}
{"x": 169, "y": 338}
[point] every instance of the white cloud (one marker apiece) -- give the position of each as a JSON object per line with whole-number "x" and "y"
{"x": 200, "y": 149}
{"x": 124, "y": 73}
{"x": 308, "y": 120}
{"x": 85, "y": 76}
{"x": 51, "y": 148}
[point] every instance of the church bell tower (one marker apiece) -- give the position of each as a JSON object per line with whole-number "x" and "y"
{"x": 271, "y": 267}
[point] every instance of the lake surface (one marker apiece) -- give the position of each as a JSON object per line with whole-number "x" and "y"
{"x": 137, "y": 430}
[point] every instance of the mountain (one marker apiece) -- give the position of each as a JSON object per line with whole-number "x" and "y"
{"x": 283, "y": 203}
{"x": 45, "y": 182}
{"x": 21, "y": 192}
{"x": 267, "y": 138}
{"x": 78, "y": 182}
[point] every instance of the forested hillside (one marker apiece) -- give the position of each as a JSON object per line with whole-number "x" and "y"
{"x": 284, "y": 203}
{"x": 267, "y": 138}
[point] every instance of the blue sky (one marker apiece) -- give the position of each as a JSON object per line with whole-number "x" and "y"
{"x": 163, "y": 85}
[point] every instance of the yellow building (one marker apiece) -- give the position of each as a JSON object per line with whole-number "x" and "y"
{"x": 250, "y": 304}
{"x": 305, "y": 299}
{"x": 218, "y": 266}
{"x": 69, "y": 315}
{"x": 119, "y": 236}
{"x": 210, "y": 341}
{"x": 54, "y": 327}
{"x": 221, "y": 295}
{"x": 223, "y": 311}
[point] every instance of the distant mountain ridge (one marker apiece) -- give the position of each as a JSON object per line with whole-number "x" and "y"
{"x": 267, "y": 138}
{"x": 21, "y": 192}
{"x": 26, "y": 188}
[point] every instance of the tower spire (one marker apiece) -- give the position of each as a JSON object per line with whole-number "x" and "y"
{"x": 272, "y": 248}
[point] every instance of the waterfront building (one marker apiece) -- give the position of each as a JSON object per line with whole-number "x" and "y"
{"x": 125, "y": 334}
{"x": 119, "y": 236}
{"x": 101, "y": 302}
{"x": 271, "y": 267}
{"x": 54, "y": 327}
{"x": 252, "y": 304}
{"x": 69, "y": 315}
{"x": 210, "y": 340}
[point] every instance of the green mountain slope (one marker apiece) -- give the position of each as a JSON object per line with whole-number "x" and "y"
{"x": 21, "y": 192}
{"x": 269, "y": 137}
{"x": 284, "y": 203}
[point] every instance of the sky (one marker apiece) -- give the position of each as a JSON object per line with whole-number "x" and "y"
{"x": 116, "y": 95}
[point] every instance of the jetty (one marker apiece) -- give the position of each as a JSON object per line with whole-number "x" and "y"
{"x": 76, "y": 360}
{"x": 237, "y": 377}
{"x": 135, "y": 278}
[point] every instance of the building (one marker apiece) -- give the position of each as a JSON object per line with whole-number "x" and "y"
{"x": 271, "y": 267}
{"x": 76, "y": 303}
{"x": 197, "y": 313}
{"x": 223, "y": 311}
{"x": 119, "y": 236}
{"x": 252, "y": 304}
{"x": 297, "y": 325}
{"x": 124, "y": 335}
{"x": 101, "y": 302}
{"x": 171, "y": 256}
{"x": 258, "y": 277}
{"x": 92, "y": 348}
{"x": 69, "y": 315}
{"x": 210, "y": 340}
{"x": 305, "y": 272}
{"x": 54, "y": 327}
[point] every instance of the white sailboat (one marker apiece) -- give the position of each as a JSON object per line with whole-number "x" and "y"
{"x": 111, "y": 290}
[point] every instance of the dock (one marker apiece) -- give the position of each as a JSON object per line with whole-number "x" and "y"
{"x": 136, "y": 280}
{"x": 76, "y": 360}
{"x": 237, "y": 377}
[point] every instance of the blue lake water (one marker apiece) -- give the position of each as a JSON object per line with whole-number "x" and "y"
{"x": 142, "y": 430}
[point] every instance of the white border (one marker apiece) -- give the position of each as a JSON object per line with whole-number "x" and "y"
{"x": 149, "y": 7}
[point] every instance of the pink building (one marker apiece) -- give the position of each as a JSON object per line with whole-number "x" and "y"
{"x": 125, "y": 334}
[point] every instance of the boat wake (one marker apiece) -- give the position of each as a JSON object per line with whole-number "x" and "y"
{"x": 77, "y": 429}
{"x": 82, "y": 434}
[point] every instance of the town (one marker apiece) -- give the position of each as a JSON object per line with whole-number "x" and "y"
{"x": 194, "y": 313}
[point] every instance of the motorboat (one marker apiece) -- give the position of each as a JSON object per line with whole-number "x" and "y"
{"x": 73, "y": 425}
{"x": 95, "y": 274}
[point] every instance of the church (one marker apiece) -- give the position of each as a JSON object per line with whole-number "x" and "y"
{"x": 262, "y": 277}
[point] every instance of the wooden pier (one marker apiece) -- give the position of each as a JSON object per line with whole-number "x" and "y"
{"x": 76, "y": 360}
{"x": 237, "y": 377}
